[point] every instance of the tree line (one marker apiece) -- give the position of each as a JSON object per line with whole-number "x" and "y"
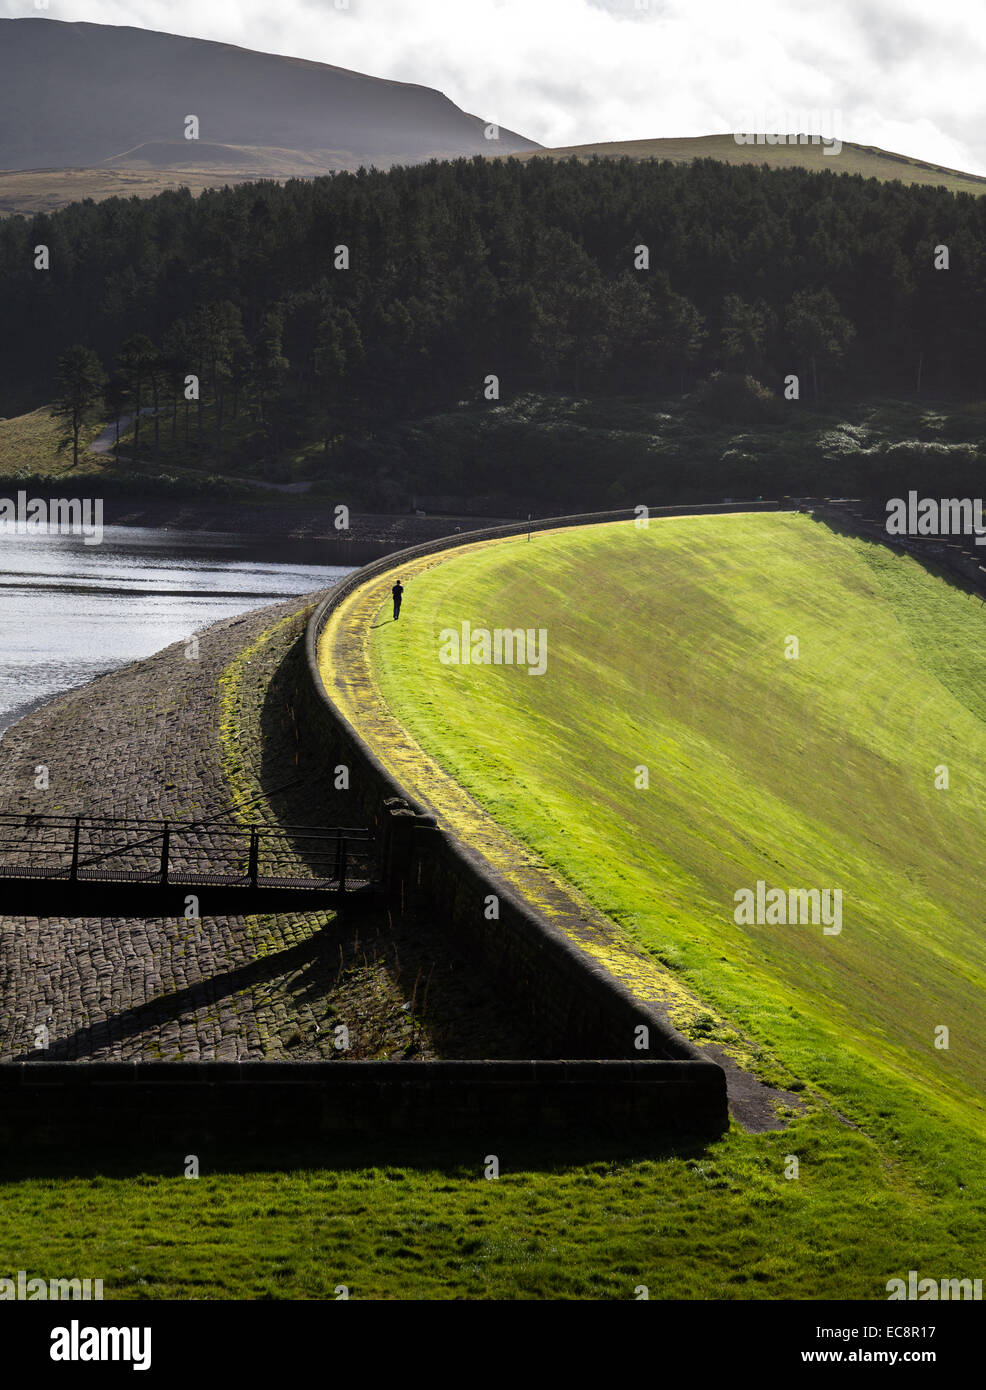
{"x": 322, "y": 308}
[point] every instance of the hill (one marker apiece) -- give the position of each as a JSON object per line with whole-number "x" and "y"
{"x": 260, "y": 115}
{"x": 816, "y": 772}
{"x": 29, "y": 191}
{"x": 791, "y": 771}
{"x": 867, "y": 160}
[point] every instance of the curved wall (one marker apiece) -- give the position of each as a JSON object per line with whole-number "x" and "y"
{"x": 577, "y": 1007}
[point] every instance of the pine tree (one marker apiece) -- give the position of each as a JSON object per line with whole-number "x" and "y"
{"x": 79, "y": 387}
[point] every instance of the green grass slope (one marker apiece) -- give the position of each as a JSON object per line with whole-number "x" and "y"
{"x": 868, "y": 160}
{"x": 815, "y": 770}
{"x": 667, "y": 651}
{"x": 30, "y": 445}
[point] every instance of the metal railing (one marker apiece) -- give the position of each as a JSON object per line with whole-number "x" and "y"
{"x": 124, "y": 849}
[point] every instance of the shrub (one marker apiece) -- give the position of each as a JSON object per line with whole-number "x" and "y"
{"x": 730, "y": 396}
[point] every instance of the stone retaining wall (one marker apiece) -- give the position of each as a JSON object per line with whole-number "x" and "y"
{"x": 165, "y": 1106}
{"x": 580, "y": 1007}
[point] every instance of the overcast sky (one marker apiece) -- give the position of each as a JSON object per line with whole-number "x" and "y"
{"x": 903, "y": 74}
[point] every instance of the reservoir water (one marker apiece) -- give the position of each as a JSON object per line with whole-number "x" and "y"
{"x": 69, "y": 611}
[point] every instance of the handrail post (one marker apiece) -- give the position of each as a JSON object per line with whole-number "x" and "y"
{"x": 253, "y": 866}
{"x": 338, "y": 856}
{"x": 73, "y": 873}
{"x": 342, "y": 870}
{"x": 165, "y": 848}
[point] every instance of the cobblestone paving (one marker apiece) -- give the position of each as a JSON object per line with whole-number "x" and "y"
{"x": 146, "y": 741}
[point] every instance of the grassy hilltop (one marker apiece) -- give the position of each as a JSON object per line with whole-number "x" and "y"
{"x": 867, "y": 160}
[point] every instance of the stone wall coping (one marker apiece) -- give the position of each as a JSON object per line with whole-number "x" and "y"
{"x": 343, "y": 1073}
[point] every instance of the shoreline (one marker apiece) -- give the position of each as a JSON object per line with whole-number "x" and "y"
{"x": 289, "y": 520}
{"x": 26, "y": 707}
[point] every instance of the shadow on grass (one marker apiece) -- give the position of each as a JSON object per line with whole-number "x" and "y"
{"x": 932, "y": 565}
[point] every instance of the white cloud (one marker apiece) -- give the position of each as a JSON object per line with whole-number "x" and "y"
{"x": 902, "y": 74}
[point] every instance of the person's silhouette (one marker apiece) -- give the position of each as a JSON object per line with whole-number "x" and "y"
{"x": 398, "y": 593}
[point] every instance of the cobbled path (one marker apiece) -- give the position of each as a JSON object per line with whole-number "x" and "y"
{"x": 146, "y": 741}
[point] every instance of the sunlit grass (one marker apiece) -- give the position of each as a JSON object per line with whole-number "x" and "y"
{"x": 666, "y": 649}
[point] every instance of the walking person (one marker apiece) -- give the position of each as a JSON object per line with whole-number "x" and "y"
{"x": 398, "y": 593}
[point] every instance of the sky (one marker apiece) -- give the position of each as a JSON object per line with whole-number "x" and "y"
{"x": 902, "y": 74}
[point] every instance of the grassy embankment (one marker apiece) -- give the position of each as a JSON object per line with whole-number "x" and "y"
{"x": 29, "y": 448}
{"x": 30, "y": 457}
{"x": 818, "y": 770}
{"x": 667, "y": 650}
